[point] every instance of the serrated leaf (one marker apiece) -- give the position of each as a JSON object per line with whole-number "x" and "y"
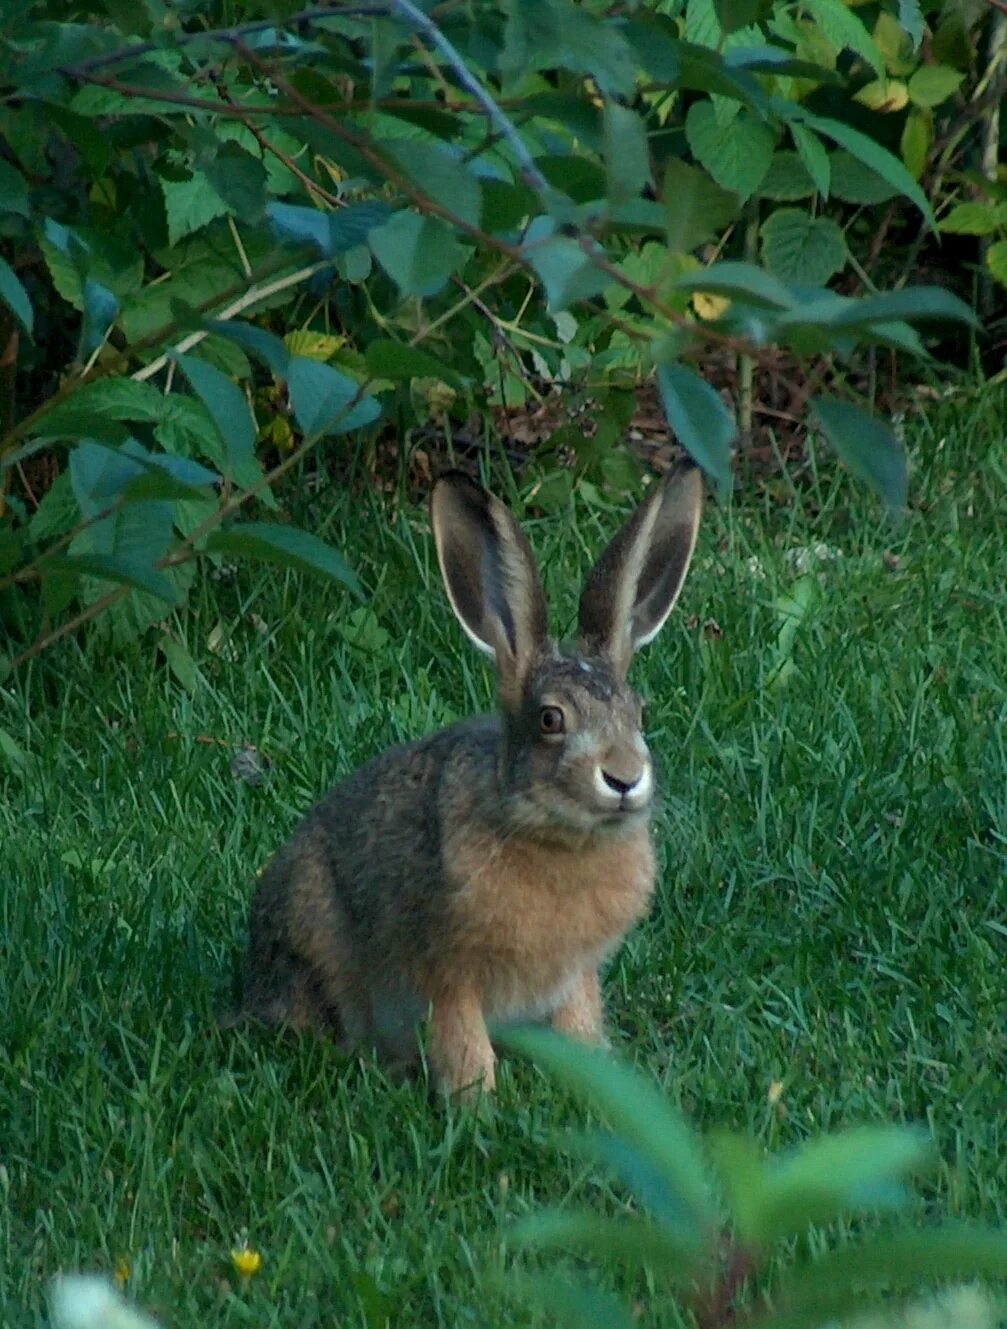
{"x": 974, "y": 219}
{"x": 230, "y": 414}
{"x": 418, "y": 253}
{"x": 868, "y": 446}
{"x": 737, "y": 154}
{"x": 853, "y": 182}
{"x": 239, "y": 178}
{"x": 395, "y": 360}
{"x": 627, "y": 156}
{"x": 114, "y": 568}
{"x": 330, "y": 233}
{"x": 787, "y": 179}
{"x": 635, "y": 1111}
{"x": 15, "y": 297}
{"x": 435, "y": 169}
{"x": 871, "y": 154}
{"x": 802, "y": 249}
{"x": 287, "y": 547}
{"x": 326, "y": 401}
{"x": 13, "y": 190}
{"x": 190, "y": 205}
{"x": 933, "y": 84}
{"x": 738, "y": 281}
{"x": 844, "y": 28}
{"x": 702, "y": 423}
{"x": 545, "y": 34}
{"x": 695, "y": 207}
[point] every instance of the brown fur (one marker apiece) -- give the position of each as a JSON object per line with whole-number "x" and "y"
{"x": 484, "y": 873}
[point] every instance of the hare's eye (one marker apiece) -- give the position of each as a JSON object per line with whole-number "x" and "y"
{"x": 551, "y": 720}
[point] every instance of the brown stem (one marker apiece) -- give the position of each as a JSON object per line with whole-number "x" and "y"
{"x": 716, "y": 1308}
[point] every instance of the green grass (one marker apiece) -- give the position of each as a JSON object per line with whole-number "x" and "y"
{"x": 832, "y": 911}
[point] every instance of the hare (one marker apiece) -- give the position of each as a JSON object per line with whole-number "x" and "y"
{"x": 481, "y": 875}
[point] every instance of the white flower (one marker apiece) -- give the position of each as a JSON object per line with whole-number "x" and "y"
{"x": 88, "y": 1301}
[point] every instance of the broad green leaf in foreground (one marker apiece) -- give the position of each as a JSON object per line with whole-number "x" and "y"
{"x": 326, "y": 401}
{"x": 738, "y": 281}
{"x": 802, "y": 249}
{"x": 229, "y": 411}
{"x": 701, "y": 421}
{"x": 397, "y": 360}
{"x": 635, "y": 1111}
{"x": 15, "y": 297}
{"x": 868, "y": 446}
{"x": 418, "y": 253}
{"x": 287, "y": 547}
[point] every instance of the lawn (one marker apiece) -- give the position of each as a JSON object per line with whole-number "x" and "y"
{"x": 831, "y": 915}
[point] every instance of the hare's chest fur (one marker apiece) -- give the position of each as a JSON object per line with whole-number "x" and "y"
{"x": 527, "y": 918}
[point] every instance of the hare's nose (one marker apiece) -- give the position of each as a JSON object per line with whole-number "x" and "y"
{"x": 620, "y": 785}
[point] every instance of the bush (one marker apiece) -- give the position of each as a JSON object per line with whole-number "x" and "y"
{"x": 429, "y": 214}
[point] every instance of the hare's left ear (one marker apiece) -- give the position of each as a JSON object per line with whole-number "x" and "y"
{"x": 634, "y": 585}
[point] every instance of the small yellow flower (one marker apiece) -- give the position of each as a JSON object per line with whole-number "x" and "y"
{"x": 246, "y": 1261}
{"x": 122, "y": 1273}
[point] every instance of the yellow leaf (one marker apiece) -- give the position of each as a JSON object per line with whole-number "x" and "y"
{"x": 883, "y": 95}
{"x": 917, "y": 136}
{"x": 320, "y": 346}
{"x": 710, "y": 306}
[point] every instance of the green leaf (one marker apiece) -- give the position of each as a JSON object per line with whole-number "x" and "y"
{"x": 803, "y": 249}
{"x": 917, "y": 135}
{"x": 13, "y": 190}
{"x": 914, "y": 303}
{"x": 230, "y": 414}
{"x": 190, "y": 205}
{"x": 609, "y": 1239}
{"x": 15, "y": 297}
{"x": 911, "y": 21}
{"x": 563, "y": 265}
{"x": 737, "y": 153}
{"x": 854, "y": 182}
{"x": 845, "y": 29}
{"x": 12, "y": 754}
{"x": 260, "y": 343}
{"x": 787, "y": 179}
{"x": 814, "y": 157}
{"x": 634, "y": 1110}
{"x": 579, "y": 1304}
{"x": 933, "y": 84}
{"x": 627, "y": 156}
{"x": 395, "y": 360}
{"x": 546, "y": 34}
{"x": 812, "y": 1293}
{"x": 180, "y": 662}
{"x": 438, "y": 172}
{"x": 418, "y": 253}
{"x": 329, "y": 232}
{"x": 239, "y": 178}
{"x": 996, "y": 261}
{"x": 975, "y": 219}
{"x": 326, "y": 401}
{"x": 859, "y": 1168}
{"x": 733, "y": 15}
{"x": 871, "y": 154}
{"x": 701, "y": 421}
{"x": 101, "y": 308}
{"x": 695, "y": 208}
{"x": 738, "y": 281}
{"x": 115, "y": 568}
{"x": 868, "y": 446}
{"x": 287, "y": 547}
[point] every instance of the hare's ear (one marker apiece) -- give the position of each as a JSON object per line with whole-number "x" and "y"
{"x": 491, "y": 576}
{"x": 635, "y": 583}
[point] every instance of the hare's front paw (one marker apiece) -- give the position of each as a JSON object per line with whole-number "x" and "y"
{"x": 460, "y": 1049}
{"x": 580, "y": 1015}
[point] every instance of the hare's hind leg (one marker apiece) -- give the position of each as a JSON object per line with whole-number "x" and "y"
{"x": 580, "y": 1013}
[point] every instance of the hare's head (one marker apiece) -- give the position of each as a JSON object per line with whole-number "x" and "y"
{"x": 574, "y": 756}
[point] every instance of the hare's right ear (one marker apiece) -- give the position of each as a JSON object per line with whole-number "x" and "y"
{"x": 635, "y": 583}
{"x": 491, "y": 577}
